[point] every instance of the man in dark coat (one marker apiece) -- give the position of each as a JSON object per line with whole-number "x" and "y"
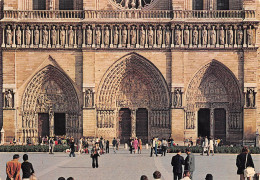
{"x": 243, "y": 161}
{"x": 177, "y": 162}
{"x": 72, "y": 148}
{"x": 189, "y": 162}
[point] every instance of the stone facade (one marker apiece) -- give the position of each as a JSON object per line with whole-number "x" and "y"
{"x": 125, "y": 68}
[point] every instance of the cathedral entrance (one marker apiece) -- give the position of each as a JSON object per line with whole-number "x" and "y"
{"x": 204, "y": 122}
{"x": 142, "y": 124}
{"x": 43, "y": 124}
{"x": 220, "y": 123}
{"x": 124, "y": 125}
{"x": 59, "y": 124}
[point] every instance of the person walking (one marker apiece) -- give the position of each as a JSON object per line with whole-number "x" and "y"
{"x": 72, "y": 148}
{"x": 27, "y": 168}
{"x": 205, "y": 145}
{"x": 51, "y": 145}
{"x": 80, "y": 145}
{"x": 244, "y": 160}
{"x": 156, "y": 146}
{"x": 152, "y": 144}
{"x": 107, "y": 146}
{"x": 189, "y": 163}
{"x": 211, "y": 147}
{"x": 177, "y": 162}
{"x": 164, "y": 146}
{"x": 140, "y": 146}
{"x": 114, "y": 144}
{"x": 13, "y": 168}
{"x": 94, "y": 155}
{"x": 135, "y": 144}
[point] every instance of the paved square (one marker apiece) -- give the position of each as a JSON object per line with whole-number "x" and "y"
{"x": 123, "y": 165}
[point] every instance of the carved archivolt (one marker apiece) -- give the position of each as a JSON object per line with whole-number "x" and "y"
{"x": 214, "y": 83}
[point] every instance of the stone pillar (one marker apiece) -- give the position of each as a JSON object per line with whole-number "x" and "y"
{"x": 255, "y": 42}
{"x": 137, "y": 35}
{"x": 133, "y": 123}
{"x": 182, "y": 27}
{"x": 190, "y": 39}
{"x": 209, "y": 33}
{"x": 84, "y": 35}
{"x": 51, "y": 123}
{"x": 102, "y": 36}
{"x": 212, "y": 122}
{"x": 217, "y": 28}
{"x": 94, "y": 37}
{"x": 120, "y": 36}
{"x": 226, "y": 39}
{"x": 199, "y": 44}
{"x": 163, "y": 36}
{"x": 66, "y": 36}
{"x": 155, "y": 35}
{"x": 235, "y": 35}
{"x": 245, "y": 34}
{"x": 146, "y": 36}
{"x": 40, "y": 29}
{"x": 32, "y": 28}
{"x": 49, "y": 37}
{"x": 128, "y": 36}
{"x": 75, "y": 37}
{"x": 2, "y": 136}
{"x": 58, "y": 37}
{"x": 172, "y": 44}
{"x": 23, "y": 29}
{"x": 111, "y": 36}
{"x": 13, "y": 44}
{"x": 3, "y": 42}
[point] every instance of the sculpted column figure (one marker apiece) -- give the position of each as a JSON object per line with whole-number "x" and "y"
{"x": 79, "y": 33}
{"x": 84, "y": 36}
{"x": 89, "y": 36}
{"x": 204, "y": 36}
{"x": 150, "y": 37}
{"x": 40, "y": 36}
{"x": 239, "y": 36}
{"x": 221, "y": 36}
{"x": 249, "y": 36}
{"x": 142, "y": 36}
{"x": 159, "y": 34}
{"x": 124, "y": 36}
{"x": 230, "y": 36}
{"x": 13, "y": 33}
{"x": 62, "y": 36}
{"x": 213, "y": 37}
{"x": 195, "y": 36}
{"x": 186, "y": 36}
{"x": 167, "y": 36}
{"x": 116, "y": 34}
{"x": 36, "y": 35}
{"x": 177, "y": 36}
{"x": 32, "y": 35}
{"x": 9, "y": 36}
{"x": 53, "y": 36}
{"x": 133, "y": 36}
{"x": 45, "y": 36}
{"x": 106, "y": 36}
{"x": 49, "y": 38}
{"x": 98, "y": 36}
{"x": 28, "y": 36}
{"x": 71, "y": 36}
{"x": 19, "y": 36}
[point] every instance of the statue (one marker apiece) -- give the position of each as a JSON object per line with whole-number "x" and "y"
{"x": 195, "y": 36}
{"x": 53, "y": 35}
{"x": 28, "y": 35}
{"x": 140, "y": 4}
{"x": 142, "y": 36}
{"x": 36, "y": 35}
{"x": 159, "y": 36}
{"x": 251, "y": 98}
{"x": 71, "y": 36}
{"x": 168, "y": 36}
{"x": 249, "y": 36}
{"x": 89, "y": 36}
{"x": 116, "y": 34}
{"x": 177, "y": 102}
{"x": 127, "y": 4}
{"x": 133, "y": 35}
{"x": 221, "y": 36}
{"x": 239, "y": 36}
{"x": 62, "y": 36}
{"x": 124, "y": 36}
{"x": 45, "y": 36}
{"x": 186, "y": 35}
{"x": 51, "y": 5}
{"x": 98, "y": 36}
{"x": 177, "y": 36}
{"x": 9, "y": 35}
{"x": 79, "y": 33}
{"x": 133, "y": 4}
{"x": 106, "y": 36}
{"x": 230, "y": 36}
{"x": 89, "y": 98}
{"x": 213, "y": 36}
{"x": 18, "y": 36}
{"x": 150, "y": 36}
{"x": 9, "y": 99}
{"x": 204, "y": 36}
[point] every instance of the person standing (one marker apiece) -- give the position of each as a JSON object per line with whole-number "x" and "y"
{"x": 107, "y": 146}
{"x": 211, "y": 146}
{"x": 152, "y": 143}
{"x": 94, "y": 155}
{"x": 51, "y": 145}
{"x": 135, "y": 144}
{"x": 164, "y": 146}
{"x": 189, "y": 162}
{"x": 156, "y": 146}
{"x": 27, "y": 168}
{"x": 13, "y": 168}
{"x": 139, "y": 146}
{"x": 80, "y": 145}
{"x": 72, "y": 148}
{"x": 131, "y": 145}
{"x": 114, "y": 144}
{"x": 243, "y": 161}
{"x": 205, "y": 145}
{"x": 177, "y": 162}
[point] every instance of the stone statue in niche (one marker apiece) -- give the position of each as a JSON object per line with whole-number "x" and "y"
{"x": 168, "y": 36}
{"x": 251, "y": 98}
{"x": 9, "y": 99}
{"x": 106, "y": 36}
{"x": 45, "y": 36}
{"x": 36, "y": 35}
{"x": 142, "y": 36}
{"x": 116, "y": 34}
{"x": 239, "y": 36}
{"x": 98, "y": 36}
{"x": 124, "y": 36}
{"x": 249, "y": 36}
{"x": 62, "y": 36}
{"x": 186, "y": 35}
{"x": 195, "y": 36}
{"x": 53, "y": 35}
{"x": 89, "y": 36}
{"x": 28, "y": 35}
{"x": 230, "y": 36}
{"x": 18, "y": 36}
{"x": 221, "y": 36}
{"x": 177, "y": 36}
{"x": 213, "y": 36}
{"x": 51, "y": 5}
{"x": 177, "y": 98}
{"x": 89, "y": 98}
{"x": 204, "y": 36}
{"x": 9, "y": 35}
{"x": 79, "y": 33}
{"x": 71, "y": 36}
{"x": 133, "y": 35}
{"x": 150, "y": 36}
{"x": 159, "y": 36}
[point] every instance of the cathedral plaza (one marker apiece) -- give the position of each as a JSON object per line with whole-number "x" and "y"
{"x": 130, "y": 68}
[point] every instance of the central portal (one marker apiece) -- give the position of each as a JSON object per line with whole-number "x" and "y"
{"x": 59, "y": 124}
{"x": 124, "y": 125}
{"x": 204, "y": 122}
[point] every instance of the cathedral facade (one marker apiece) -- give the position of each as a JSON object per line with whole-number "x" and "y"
{"x": 127, "y": 68}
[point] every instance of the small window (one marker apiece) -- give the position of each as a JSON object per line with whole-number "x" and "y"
{"x": 66, "y": 5}
{"x": 223, "y": 4}
{"x": 197, "y": 4}
{"x": 39, "y": 4}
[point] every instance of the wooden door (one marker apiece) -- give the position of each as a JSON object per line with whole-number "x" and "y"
{"x": 142, "y": 125}
{"x": 43, "y": 124}
{"x": 124, "y": 129}
{"x": 59, "y": 124}
{"x": 204, "y": 122}
{"x": 220, "y": 123}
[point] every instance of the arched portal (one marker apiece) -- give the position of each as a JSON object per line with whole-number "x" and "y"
{"x": 133, "y": 82}
{"x": 49, "y": 98}
{"x": 214, "y": 87}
